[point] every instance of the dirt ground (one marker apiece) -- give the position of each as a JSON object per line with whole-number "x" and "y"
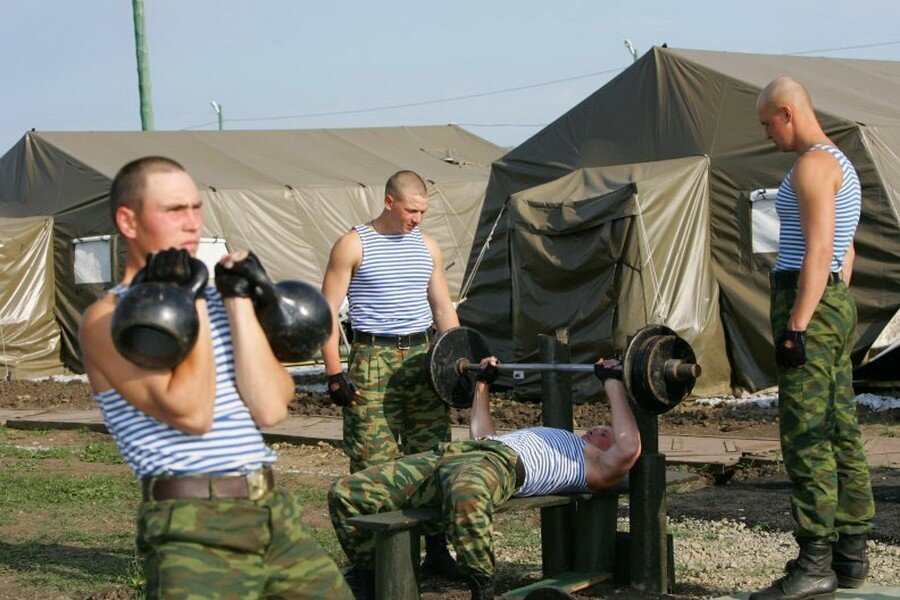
{"x": 688, "y": 418}
{"x": 756, "y": 494}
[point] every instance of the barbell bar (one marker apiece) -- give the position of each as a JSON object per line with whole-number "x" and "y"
{"x": 659, "y": 369}
{"x": 674, "y": 368}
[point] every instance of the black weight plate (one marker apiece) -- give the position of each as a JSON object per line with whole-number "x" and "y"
{"x": 549, "y": 593}
{"x": 459, "y": 343}
{"x": 644, "y": 368}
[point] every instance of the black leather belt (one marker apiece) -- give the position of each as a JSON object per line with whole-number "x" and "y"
{"x": 786, "y": 280}
{"x": 520, "y": 473}
{"x": 252, "y": 486}
{"x": 394, "y": 341}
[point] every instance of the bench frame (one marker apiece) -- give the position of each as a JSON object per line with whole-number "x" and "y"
{"x": 592, "y": 557}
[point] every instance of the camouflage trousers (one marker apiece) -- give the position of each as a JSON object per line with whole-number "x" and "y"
{"x": 200, "y": 549}
{"x": 398, "y": 412}
{"x": 820, "y": 437}
{"x": 466, "y": 479}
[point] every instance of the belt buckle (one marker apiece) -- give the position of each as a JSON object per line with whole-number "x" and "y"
{"x": 400, "y": 344}
{"x": 256, "y": 485}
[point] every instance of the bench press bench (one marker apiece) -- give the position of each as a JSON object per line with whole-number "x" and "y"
{"x": 593, "y": 555}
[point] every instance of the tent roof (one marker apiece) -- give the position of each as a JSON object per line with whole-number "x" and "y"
{"x": 299, "y": 158}
{"x": 863, "y": 91}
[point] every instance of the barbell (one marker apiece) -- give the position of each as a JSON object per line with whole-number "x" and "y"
{"x": 659, "y": 369}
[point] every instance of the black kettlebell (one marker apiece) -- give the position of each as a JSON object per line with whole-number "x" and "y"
{"x": 294, "y": 315}
{"x": 296, "y": 318}
{"x": 155, "y": 323}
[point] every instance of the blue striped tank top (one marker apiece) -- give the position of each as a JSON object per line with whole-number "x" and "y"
{"x": 388, "y": 294}
{"x": 233, "y": 445}
{"x": 847, "y": 205}
{"x": 553, "y": 460}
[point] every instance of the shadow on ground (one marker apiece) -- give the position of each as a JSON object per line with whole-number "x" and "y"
{"x": 764, "y": 502}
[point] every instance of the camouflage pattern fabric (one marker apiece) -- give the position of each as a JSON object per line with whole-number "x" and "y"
{"x": 820, "y": 437}
{"x": 398, "y": 411}
{"x": 236, "y": 549}
{"x": 466, "y": 479}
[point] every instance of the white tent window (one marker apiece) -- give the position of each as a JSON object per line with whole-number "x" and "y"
{"x": 93, "y": 262}
{"x": 211, "y": 250}
{"x": 764, "y": 220}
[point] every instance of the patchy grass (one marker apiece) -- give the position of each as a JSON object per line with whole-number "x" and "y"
{"x": 65, "y": 530}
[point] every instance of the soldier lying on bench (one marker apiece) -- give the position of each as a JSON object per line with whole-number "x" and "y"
{"x": 467, "y": 479}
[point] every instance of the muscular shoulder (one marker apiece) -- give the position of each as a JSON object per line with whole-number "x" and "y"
{"x": 95, "y": 336}
{"x": 347, "y": 250}
{"x": 817, "y": 171}
{"x": 95, "y": 317}
{"x": 433, "y": 247}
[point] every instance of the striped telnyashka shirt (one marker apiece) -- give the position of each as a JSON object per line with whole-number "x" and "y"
{"x": 553, "y": 460}
{"x": 233, "y": 445}
{"x": 847, "y": 205}
{"x": 388, "y": 294}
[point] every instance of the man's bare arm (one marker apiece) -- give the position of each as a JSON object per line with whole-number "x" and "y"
{"x": 607, "y": 467}
{"x": 182, "y": 398}
{"x": 264, "y": 384}
{"x": 481, "y": 423}
{"x": 346, "y": 255}
{"x": 438, "y": 293}
{"x": 816, "y": 180}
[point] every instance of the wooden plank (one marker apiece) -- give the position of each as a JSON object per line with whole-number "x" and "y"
{"x": 411, "y": 517}
{"x": 395, "y": 519}
{"x": 570, "y": 581}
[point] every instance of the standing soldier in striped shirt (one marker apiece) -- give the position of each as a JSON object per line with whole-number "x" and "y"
{"x": 211, "y": 523}
{"x": 468, "y": 479}
{"x": 813, "y": 321}
{"x": 393, "y": 277}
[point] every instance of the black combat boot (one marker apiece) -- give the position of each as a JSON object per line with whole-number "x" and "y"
{"x": 810, "y": 576}
{"x": 438, "y": 562}
{"x": 849, "y": 560}
{"x": 481, "y": 586}
{"x": 361, "y": 581}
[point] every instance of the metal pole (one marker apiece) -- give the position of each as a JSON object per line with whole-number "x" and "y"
{"x": 673, "y": 369}
{"x": 143, "y": 66}
{"x": 647, "y": 510}
{"x": 218, "y": 108}
{"x": 557, "y": 523}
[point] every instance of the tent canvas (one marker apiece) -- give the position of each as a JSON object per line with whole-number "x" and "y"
{"x": 674, "y": 104}
{"x": 600, "y": 252}
{"x": 288, "y": 195}
{"x": 29, "y": 336}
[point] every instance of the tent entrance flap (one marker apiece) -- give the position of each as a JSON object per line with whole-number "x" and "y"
{"x": 572, "y": 263}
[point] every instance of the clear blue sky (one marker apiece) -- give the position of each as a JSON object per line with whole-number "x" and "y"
{"x": 70, "y": 65}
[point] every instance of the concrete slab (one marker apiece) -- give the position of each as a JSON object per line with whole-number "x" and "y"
{"x": 869, "y": 592}
{"x": 9, "y": 413}
{"x": 59, "y": 419}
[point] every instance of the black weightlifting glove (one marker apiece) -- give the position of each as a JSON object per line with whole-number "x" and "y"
{"x": 603, "y": 373}
{"x": 488, "y": 374}
{"x": 795, "y": 355}
{"x": 242, "y": 279}
{"x": 175, "y": 267}
{"x": 341, "y": 389}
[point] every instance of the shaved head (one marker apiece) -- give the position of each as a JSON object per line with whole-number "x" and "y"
{"x": 404, "y": 184}
{"x": 784, "y": 91}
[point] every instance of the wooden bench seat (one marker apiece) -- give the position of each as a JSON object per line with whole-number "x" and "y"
{"x": 397, "y": 538}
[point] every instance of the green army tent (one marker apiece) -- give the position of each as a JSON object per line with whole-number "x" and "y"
{"x": 579, "y": 231}
{"x": 287, "y": 195}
